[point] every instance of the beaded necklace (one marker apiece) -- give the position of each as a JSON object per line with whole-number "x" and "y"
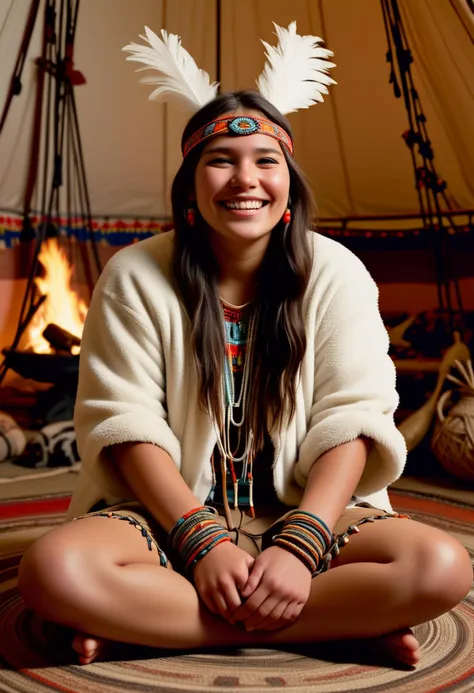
{"x": 240, "y": 324}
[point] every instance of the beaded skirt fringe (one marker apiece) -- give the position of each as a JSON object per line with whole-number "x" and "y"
{"x": 343, "y": 539}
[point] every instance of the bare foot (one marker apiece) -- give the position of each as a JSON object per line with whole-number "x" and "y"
{"x": 89, "y": 648}
{"x": 401, "y": 646}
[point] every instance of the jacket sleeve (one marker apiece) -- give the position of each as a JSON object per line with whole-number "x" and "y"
{"x": 122, "y": 393}
{"x": 354, "y": 382}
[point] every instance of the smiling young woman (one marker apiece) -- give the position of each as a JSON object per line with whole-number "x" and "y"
{"x": 235, "y": 406}
{"x": 233, "y": 254}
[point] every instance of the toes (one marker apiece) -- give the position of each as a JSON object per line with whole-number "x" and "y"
{"x": 407, "y": 637}
{"x": 77, "y": 644}
{"x": 89, "y": 648}
{"x": 91, "y": 645}
{"x": 409, "y": 645}
{"x": 85, "y": 645}
{"x": 404, "y": 640}
{"x": 402, "y": 646}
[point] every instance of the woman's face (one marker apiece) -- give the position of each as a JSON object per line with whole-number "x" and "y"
{"x": 242, "y": 185}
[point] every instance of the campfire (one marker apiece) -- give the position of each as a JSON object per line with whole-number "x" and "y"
{"x": 58, "y": 323}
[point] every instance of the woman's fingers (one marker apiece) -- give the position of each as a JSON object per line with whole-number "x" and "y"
{"x": 252, "y": 603}
{"x": 233, "y": 600}
{"x": 254, "y": 580}
{"x": 210, "y": 604}
{"x": 221, "y": 604}
{"x": 272, "y": 621}
{"x": 227, "y": 601}
{"x": 281, "y": 617}
{"x": 242, "y": 579}
{"x": 263, "y": 612}
{"x": 219, "y": 576}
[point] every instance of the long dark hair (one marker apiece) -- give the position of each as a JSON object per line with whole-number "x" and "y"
{"x": 282, "y": 279}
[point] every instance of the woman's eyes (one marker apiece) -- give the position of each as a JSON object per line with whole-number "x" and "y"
{"x": 221, "y": 161}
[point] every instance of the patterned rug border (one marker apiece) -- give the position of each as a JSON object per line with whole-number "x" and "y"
{"x": 61, "y": 500}
{"x": 33, "y": 507}
{"x": 454, "y": 511}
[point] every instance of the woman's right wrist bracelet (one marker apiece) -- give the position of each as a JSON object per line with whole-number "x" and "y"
{"x": 195, "y": 534}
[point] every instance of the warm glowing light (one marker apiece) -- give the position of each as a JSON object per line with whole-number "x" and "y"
{"x": 62, "y": 306}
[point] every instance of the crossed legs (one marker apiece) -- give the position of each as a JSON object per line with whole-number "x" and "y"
{"x": 98, "y": 577}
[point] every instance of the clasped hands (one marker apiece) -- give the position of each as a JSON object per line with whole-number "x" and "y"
{"x": 263, "y": 593}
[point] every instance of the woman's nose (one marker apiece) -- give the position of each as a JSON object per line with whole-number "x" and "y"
{"x": 244, "y": 177}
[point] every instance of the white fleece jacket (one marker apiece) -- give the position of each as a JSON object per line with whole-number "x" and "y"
{"x": 138, "y": 381}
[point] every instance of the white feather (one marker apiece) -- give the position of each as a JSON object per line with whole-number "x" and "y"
{"x": 178, "y": 77}
{"x": 295, "y": 74}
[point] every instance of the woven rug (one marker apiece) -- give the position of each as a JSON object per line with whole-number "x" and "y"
{"x": 30, "y": 662}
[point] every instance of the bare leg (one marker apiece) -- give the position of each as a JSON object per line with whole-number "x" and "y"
{"x": 97, "y": 576}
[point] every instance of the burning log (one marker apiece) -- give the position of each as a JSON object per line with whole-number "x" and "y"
{"x": 60, "y": 339}
{"x": 62, "y": 308}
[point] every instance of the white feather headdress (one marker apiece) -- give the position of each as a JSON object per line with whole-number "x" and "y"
{"x": 178, "y": 77}
{"x": 295, "y": 74}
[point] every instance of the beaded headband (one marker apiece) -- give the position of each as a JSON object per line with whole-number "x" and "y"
{"x": 295, "y": 76}
{"x": 238, "y": 125}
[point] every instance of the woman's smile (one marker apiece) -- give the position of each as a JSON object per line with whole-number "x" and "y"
{"x": 244, "y": 206}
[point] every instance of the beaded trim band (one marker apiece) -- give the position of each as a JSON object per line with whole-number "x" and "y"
{"x": 195, "y": 534}
{"x": 336, "y": 542}
{"x": 343, "y": 539}
{"x": 307, "y": 537}
{"x": 150, "y": 539}
{"x": 238, "y": 125}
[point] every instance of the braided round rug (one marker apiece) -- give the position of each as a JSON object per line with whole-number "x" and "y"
{"x": 30, "y": 662}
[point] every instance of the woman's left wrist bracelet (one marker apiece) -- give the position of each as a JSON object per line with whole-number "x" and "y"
{"x": 195, "y": 534}
{"x": 306, "y": 536}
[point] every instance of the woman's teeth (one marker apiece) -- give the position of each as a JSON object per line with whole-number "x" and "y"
{"x": 250, "y": 204}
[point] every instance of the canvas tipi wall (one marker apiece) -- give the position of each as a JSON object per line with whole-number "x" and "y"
{"x": 350, "y": 146}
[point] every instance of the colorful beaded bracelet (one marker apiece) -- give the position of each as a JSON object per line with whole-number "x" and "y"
{"x": 306, "y": 536}
{"x": 195, "y": 534}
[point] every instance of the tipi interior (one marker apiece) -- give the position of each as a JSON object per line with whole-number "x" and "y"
{"x": 351, "y": 146}
{"x": 366, "y": 181}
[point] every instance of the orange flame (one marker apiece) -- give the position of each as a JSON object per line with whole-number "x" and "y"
{"x": 62, "y": 306}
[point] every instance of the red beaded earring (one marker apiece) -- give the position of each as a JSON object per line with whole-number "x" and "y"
{"x": 287, "y": 216}
{"x": 191, "y": 215}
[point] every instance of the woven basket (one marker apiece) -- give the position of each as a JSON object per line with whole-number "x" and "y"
{"x": 453, "y": 436}
{"x": 415, "y": 427}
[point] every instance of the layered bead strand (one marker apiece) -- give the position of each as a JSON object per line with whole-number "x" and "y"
{"x": 239, "y": 337}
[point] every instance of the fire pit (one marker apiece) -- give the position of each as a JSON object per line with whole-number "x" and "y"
{"x": 62, "y": 306}
{"x": 48, "y": 350}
